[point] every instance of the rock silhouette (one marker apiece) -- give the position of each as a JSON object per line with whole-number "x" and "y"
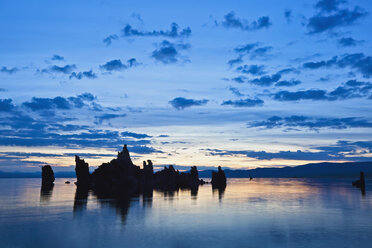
{"x": 120, "y": 176}
{"x": 218, "y": 179}
{"x": 47, "y": 177}
{"x": 82, "y": 173}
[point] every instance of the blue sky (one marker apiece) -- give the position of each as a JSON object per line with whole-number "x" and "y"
{"x": 241, "y": 84}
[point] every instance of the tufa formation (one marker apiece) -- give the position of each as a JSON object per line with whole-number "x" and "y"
{"x": 121, "y": 175}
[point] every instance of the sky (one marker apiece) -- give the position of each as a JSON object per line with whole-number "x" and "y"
{"x": 241, "y": 84}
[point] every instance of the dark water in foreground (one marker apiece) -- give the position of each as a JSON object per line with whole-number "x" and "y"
{"x": 258, "y": 213}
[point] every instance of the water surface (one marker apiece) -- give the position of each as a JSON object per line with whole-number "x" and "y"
{"x": 257, "y": 213}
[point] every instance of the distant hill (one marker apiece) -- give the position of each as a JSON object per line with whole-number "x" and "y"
{"x": 350, "y": 169}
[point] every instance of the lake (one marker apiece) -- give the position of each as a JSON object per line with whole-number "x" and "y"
{"x": 257, "y": 213}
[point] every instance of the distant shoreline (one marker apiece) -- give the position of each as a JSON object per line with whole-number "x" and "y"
{"x": 314, "y": 170}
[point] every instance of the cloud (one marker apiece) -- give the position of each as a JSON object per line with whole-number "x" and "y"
{"x": 329, "y": 5}
{"x": 288, "y": 155}
{"x": 288, "y": 83}
{"x": 117, "y": 65}
{"x": 348, "y": 147}
{"x": 135, "y": 135}
{"x": 235, "y": 91}
{"x": 6, "y": 105}
{"x": 300, "y": 95}
{"x": 57, "y": 57}
{"x": 246, "y": 48}
{"x": 253, "y": 50}
{"x": 238, "y": 60}
{"x": 348, "y": 90}
{"x": 342, "y": 150}
{"x": 244, "y": 102}
{"x": 108, "y": 40}
{"x": 38, "y": 104}
{"x": 143, "y": 150}
{"x": 174, "y": 32}
{"x": 251, "y": 69}
{"x": 357, "y": 61}
{"x": 348, "y": 42}
{"x": 168, "y": 53}
{"x": 288, "y": 15}
{"x": 312, "y": 123}
{"x": 181, "y": 103}
{"x": 67, "y": 69}
{"x": 231, "y": 21}
{"x": 128, "y": 31}
{"x": 332, "y": 17}
{"x": 85, "y": 74}
{"x": 5, "y": 69}
{"x": 266, "y": 80}
{"x": 107, "y": 117}
{"x": 240, "y": 79}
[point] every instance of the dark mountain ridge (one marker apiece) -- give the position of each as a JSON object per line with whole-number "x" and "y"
{"x": 316, "y": 170}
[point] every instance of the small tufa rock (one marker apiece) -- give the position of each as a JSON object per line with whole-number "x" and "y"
{"x": 219, "y": 179}
{"x": 47, "y": 176}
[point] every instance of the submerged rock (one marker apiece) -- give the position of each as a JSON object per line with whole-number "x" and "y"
{"x": 47, "y": 177}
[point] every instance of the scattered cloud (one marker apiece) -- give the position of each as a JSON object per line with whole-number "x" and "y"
{"x": 7, "y": 70}
{"x": 108, "y": 40}
{"x": 236, "y": 92}
{"x": 288, "y": 15}
{"x": 357, "y": 61}
{"x": 348, "y": 42}
{"x": 231, "y": 21}
{"x": 238, "y": 60}
{"x": 107, "y": 117}
{"x": 135, "y": 135}
{"x": 312, "y": 123}
{"x": 328, "y": 6}
{"x": 288, "y": 83}
{"x": 350, "y": 89}
{"x": 255, "y": 70}
{"x": 244, "y": 102}
{"x": 85, "y": 74}
{"x": 266, "y": 80}
{"x": 57, "y": 57}
{"x": 67, "y": 69}
{"x": 6, "y": 105}
{"x": 128, "y": 31}
{"x": 39, "y": 104}
{"x": 331, "y": 16}
{"x": 117, "y": 65}
{"x": 174, "y": 32}
{"x": 181, "y": 103}
{"x": 168, "y": 53}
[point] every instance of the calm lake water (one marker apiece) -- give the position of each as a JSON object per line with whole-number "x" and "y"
{"x": 258, "y": 213}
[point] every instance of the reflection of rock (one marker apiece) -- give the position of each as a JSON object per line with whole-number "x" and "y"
{"x": 47, "y": 177}
{"x": 220, "y": 191}
{"x": 46, "y": 193}
{"x": 121, "y": 175}
{"x": 81, "y": 199}
{"x": 360, "y": 183}
{"x": 219, "y": 179}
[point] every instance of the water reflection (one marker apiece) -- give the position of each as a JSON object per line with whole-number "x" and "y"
{"x": 219, "y": 191}
{"x": 258, "y": 213}
{"x": 80, "y": 199}
{"x": 46, "y": 193}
